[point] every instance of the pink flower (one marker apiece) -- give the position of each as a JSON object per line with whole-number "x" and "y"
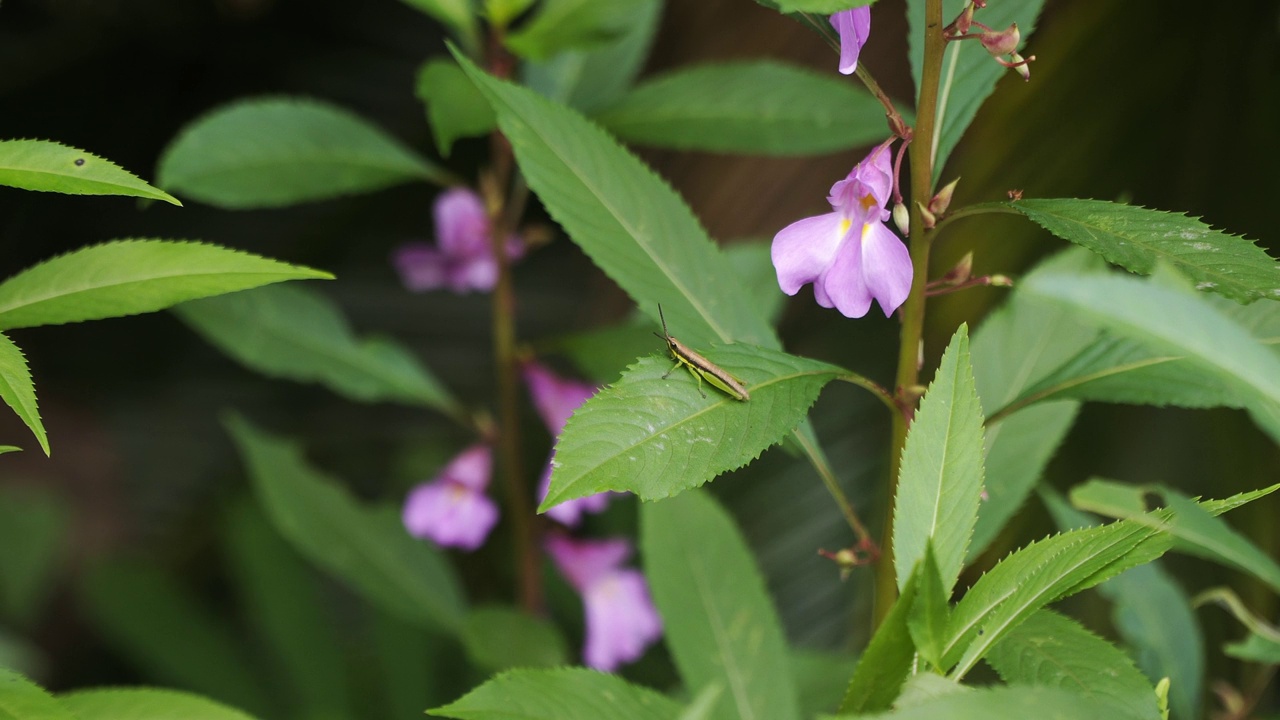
{"x": 854, "y": 27}
{"x": 620, "y": 617}
{"x": 452, "y": 510}
{"x": 463, "y": 259}
{"x": 849, "y": 254}
{"x": 556, "y": 398}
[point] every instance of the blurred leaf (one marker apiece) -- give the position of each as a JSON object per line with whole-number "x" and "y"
{"x": 48, "y": 166}
{"x": 754, "y": 265}
{"x": 498, "y": 638}
{"x": 721, "y": 626}
{"x": 940, "y": 482}
{"x": 925, "y": 687}
{"x": 21, "y": 656}
{"x": 145, "y": 704}
{"x": 561, "y": 694}
{"x": 366, "y": 547}
{"x": 757, "y": 107}
{"x": 297, "y": 334}
{"x": 455, "y": 108}
{"x": 657, "y": 437}
{"x": 1002, "y": 703}
{"x": 569, "y": 25}
{"x": 1137, "y": 239}
{"x": 284, "y": 603}
{"x": 274, "y": 152}
{"x": 413, "y": 666}
{"x": 17, "y": 389}
{"x": 1255, "y": 648}
{"x": 969, "y": 74}
{"x": 820, "y": 679}
{"x": 931, "y": 611}
{"x": 501, "y": 12}
{"x": 127, "y": 277}
{"x": 1262, "y": 644}
{"x": 170, "y": 635}
{"x": 457, "y": 14}
{"x": 21, "y": 699}
{"x": 824, "y": 7}
{"x": 1055, "y": 651}
{"x": 33, "y": 533}
{"x": 888, "y": 659}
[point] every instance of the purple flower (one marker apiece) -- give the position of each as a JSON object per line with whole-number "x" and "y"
{"x": 621, "y": 618}
{"x": 849, "y": 254}
{"x": 452, "y": 510}
{"x": 462, "y": 259}
{"x": 556, "y": 398}
{"x": 854, "y": 27}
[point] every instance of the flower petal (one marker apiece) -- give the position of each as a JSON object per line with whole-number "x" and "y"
{"x": 854, "y": 27}
{"x": 844, "y": 283}
{"x": 584, "y": 562}
{"x": 804, "y": 249}
{"x": 477, "y": 272}
{"x": 555, "y": 397}
{"x": 470, "y": 468}
{"x": 886, "y": 267}
{"x": 621, "y": 620}
{"x": 449, "y": 514}
{"x": 421, "y": 267}
{"x": 570, "y": 512}
{"x": 462, "y": 225}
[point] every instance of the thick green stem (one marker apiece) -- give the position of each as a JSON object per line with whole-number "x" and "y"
{"x": 913, "y": 309}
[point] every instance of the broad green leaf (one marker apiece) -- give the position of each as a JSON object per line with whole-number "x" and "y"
{"x": 931, "y": 611}
{"x": 172, "y": 635}
{"x": 127, "y": 277}
{"x": 940, "y": 483}
{"x": 570, "y": 25}
{"x": 1042, "y": 573}
{"x": 1052, "y": 650}
{"x": 821, "y": 7}
{"x": 17, "y": 389}
{"x": 413, "y": 666}
{"x": 656, "y": 437}
{"x": 501, "y": 12}
{"x": 1137, "y": 238}
{"x": 498, "y": 638}
{"x": 367, "y": 547}
{"x": 757, "y": 107}
{"x": 457, "y": 14}
{"x": 820, "y": 679}
{"x": 455, "y": 108}
{"x": 1001, "y": 703}
{"x": 720, "y": 624}
{"x": 1255, "y": 648}
{"x": 284, "y": 603}
{"x": 562, "y": 694}
{"x": 33, "y": 532}
{"x": 297, "y": 334}
{"x": 924, "y": 687}
{"x": 969, "y": 74}
{"x": 888, "y": 659}
{"x": 145, "y": 704}
{"x": 48, "y": 166}
{"x": 274, "y": 152}
{"x": 21, "y": 699}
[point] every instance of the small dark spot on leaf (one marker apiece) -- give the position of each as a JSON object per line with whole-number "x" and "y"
{"x": 79, "y": 162}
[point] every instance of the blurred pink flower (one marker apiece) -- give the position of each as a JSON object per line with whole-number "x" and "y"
{"x": 854, "y": 27}
{"x": 555, "y": 399}
{"x": 452, "y": 510}
{"x": 620, "y": 617}
{"x": 849, "y": 255}
{"x": 462, "y": 259}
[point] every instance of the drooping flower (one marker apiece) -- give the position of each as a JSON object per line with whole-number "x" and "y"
{"x": 452, "y": 510}
{"x": 555, "y": 399}
{"x": 621, "y": 620}
{"x": 849, "y": 254}
{"x": 462, "y": 259}
{"x": 854, "y": 27}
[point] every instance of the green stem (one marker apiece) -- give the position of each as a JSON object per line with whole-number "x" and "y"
{"x": 913, "y": 309}
{"x": 874, "y": 388}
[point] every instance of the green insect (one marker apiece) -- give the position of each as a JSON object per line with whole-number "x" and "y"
{"x": 702, "y": 368}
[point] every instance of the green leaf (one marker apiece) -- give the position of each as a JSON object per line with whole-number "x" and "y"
{"x": 366, "y": 547}
{"x": 940, "y": 484}
{"x": 145, "y": 704}
{"x": 48, "y": 166}
{"x": 297, "y": 334}
{"x": 498, "y": 638}
{"x": 501, "y": 12}
{"x": 1137, "y": 239}
{"x": 1002, "y": 703}
{"x": 1255, "y": 648}
{"x": 33, "y": 532}
{"x": 413, "y": 667}
{"x": 21, "y": 699}
{"x": 1055, "y": 651}
{"x": 720, "y": 624}
{"x": 1262, "y": 644}
{"x": 823, "y": 7}
{"x": 127, "y": 277}
{"x": 888, "y": 659}
{"x": 931, "y": 611}
{"x": 969, "y": 74}
{"x": 656, "y": 437}
{"x": 17, "y": 389}
{"x": 820, "y": 679}
{"x": 171, "y": 634}
{"x": 455, "y": 108}
{"x": 570, "y": 25}
{"x": 563, "y": 694}
{"x": 282, "y": 599}
{"x": 924, "y": 688}
{"x": 457, "y": 14}
{"x": 755, "y": 107}
{"x": 274, "y": 152}
{"x": 1042, "y": 573}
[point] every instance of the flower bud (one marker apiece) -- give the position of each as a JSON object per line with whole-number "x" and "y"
{"x": 962, "y": 271}
{"x": 940, "y": 202}
{"x": 1002, "y": 43}
{"x": 929, "y": 218}
{"x": 1000, "y": 281}
{"x": 902, "y": 218}
{"x": 1022, "y": 67}
{"x": 965, "y": 20}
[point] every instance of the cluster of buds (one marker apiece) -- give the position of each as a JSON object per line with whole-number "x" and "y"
{"x": 938, "y": 205}
{"x": 999, "y": 43}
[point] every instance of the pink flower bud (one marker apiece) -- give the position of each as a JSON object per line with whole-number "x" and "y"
{"x": 940, "y": 202}
{"x": 1000, "y": 44}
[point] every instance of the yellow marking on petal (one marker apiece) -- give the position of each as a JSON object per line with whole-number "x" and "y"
{"x": 866, "y": 228}
{"x": 844, "y": 226}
